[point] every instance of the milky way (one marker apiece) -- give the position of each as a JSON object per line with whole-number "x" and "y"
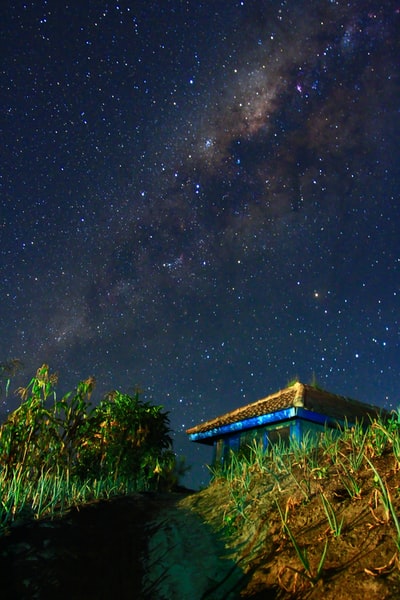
{"x": 202, "y": 200}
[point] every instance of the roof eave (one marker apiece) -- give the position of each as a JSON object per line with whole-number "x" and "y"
{"x": 206, "y": 437}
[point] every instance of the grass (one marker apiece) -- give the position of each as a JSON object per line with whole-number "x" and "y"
{"x": 387, "y": 502}
{"x": 55, "y": 454}
{"x": 309, "y": 573}
{"x": 334, "y": 524}
{"x": 349, "y": 481}
{"x": 52, "y": 494}
{"x": 330, "y": 485}
{"x": 340, "y": 454}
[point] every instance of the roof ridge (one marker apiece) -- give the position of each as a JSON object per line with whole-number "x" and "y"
{"x": 299, "y": 397}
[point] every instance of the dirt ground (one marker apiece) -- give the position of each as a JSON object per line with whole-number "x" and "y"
{"x": 361, "y": 562}
{"x": 142, "y": 546}
{"x": 168, "y": 546}
{"x": 92, "y": 552}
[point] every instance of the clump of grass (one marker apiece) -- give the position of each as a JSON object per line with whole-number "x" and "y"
{"x": 239, "y": 478}
{"x": 334, "y": 524}
{"x": 353, "y": 443}
{"x": 387, "y": 502}
{"x": 386, "y": 433}
{"x": 312, "y": 575}
{"x": 302, "y": 461}
{"x": 349, "y": 481}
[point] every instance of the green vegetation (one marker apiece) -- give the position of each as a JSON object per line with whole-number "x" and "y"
{"x": 301, "y": 553}
{"x": 334, "y": 525}
{"x": 387, "y": 503}
{"x": 321, "y": 491}
{"x": 58, "y": 453}
{"x": 293, "y": 381}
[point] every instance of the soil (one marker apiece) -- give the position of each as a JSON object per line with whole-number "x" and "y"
{"x": 214, "y": 544}
{"x": 362, "y": 561}
{"x": 91, "y": 552}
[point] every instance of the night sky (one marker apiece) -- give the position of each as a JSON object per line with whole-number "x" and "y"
{"x": 202, "y": 199}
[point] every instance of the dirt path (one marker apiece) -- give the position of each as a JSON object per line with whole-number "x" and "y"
{"x": 142, "y": 547}
{"x": 186, "y": 560}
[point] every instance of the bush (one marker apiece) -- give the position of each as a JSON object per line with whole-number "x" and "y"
{"x": 122, "y": 437}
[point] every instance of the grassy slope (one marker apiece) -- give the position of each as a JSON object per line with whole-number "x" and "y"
{"x": 308, "y": 523}
{"x": 296, "y": 551}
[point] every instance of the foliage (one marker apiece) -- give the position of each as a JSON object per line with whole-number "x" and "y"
{"x": 308, "y": 572}
{"x": 340, "y": 453}
{"x": 308, "y": 501}
{"x": 126, "y": 437}
{"x": 54, "y": 452}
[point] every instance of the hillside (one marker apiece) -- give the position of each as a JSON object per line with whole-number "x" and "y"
{"x": 305, "y": 523}
{"x": 356, "y": 555}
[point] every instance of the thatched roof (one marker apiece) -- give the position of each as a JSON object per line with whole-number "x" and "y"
{"x": 297, "y": 395}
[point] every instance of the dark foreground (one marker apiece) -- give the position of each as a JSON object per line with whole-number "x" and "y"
{"x": 138, "y": 547}
{"x": 92, "y": 552}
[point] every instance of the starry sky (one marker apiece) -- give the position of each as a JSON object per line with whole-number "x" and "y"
{"x": 202, "y": 199}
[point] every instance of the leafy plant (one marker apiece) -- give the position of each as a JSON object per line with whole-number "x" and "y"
{"x": 334, "y": 525}
{"x": 387, "y": 501}
{"x": 309, "y": 573}
{"x": 387, "y": 432}
{"x": 54, "y": 453}
{"x": 350, "y": 482}
{"x": 355, "y": 442}
{"x": 126, "y": 436}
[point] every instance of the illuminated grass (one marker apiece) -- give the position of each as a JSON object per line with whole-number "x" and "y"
{"x": 55, "y": 454}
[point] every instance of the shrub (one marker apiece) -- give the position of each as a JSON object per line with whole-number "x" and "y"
{"x": 122, "y": 437}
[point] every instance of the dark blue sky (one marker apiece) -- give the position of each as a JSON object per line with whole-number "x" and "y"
{"x": 202, "y": 199}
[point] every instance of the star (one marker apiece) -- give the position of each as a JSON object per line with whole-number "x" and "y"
{"x": 202, "y": 204}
